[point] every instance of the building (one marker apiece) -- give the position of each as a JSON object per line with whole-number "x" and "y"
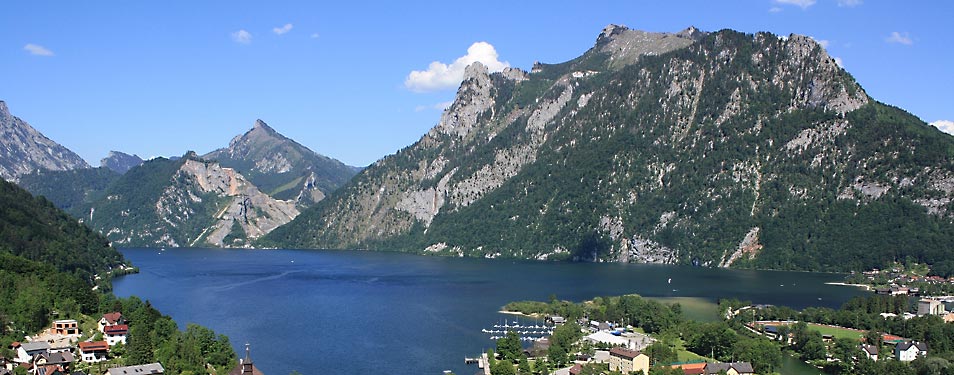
{"x": 245, "y": 366}
{"x": 116, "y": 334}
{"x": 907, "y": 351}
{"x": 692, "y": 368}
{"x": 870, "y": 351}
{"x": 26, "y": 351}
{"x": 557, "y": 320}
{"x": 576, "y": 369}
{"x": 930, "y": 307}
{"x": 65, "y": 327}
{"x": 94, "y": 351}
{"x": 147, "y": 369}
{"x": 110, "y": 319}
{"x": 626, "y": 360}
{"x": 735, "y": 368}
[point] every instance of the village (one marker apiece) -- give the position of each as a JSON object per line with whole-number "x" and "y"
{"x": 67, "y": 349}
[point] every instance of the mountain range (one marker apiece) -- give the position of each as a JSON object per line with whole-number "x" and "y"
{"x": 708, "y": 148}
{"x": 717, "y": 149}
{"x": 24, "y": 150}
{"x": 185, "y": 201}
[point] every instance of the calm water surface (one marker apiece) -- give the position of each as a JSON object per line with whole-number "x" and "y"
{"x": 350, "y": 312}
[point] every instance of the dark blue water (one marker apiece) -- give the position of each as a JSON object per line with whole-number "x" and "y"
{"x": 347, "y": 312}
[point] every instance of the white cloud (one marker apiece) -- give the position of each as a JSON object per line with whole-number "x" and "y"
{"x": 839, "y": 62}
{"x": 775, "y": 9}
{"x": 804, "y": 4}
{"x": 242, "y": 36}
{"x": 897, "y": 37}
{"x": 439, "y": 106}
{"x": 823, "y": 42}
{"x": 283, "y": 29}
{"x": 439, "y": 76}
{"x": 849, "y": 3}
{"x": 37, "y": 50}
{"x": 946, "y": 126}
{"x": 314, "y": 35}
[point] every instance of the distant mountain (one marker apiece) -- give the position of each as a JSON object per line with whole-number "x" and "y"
{"x": 189, "y": 202}
{"x": 73, "y": 191}
{"x": 720, "y": 149}
{"x": 120, "y": 162}
{"x": 24, "y": 150}
{"x": 281, "y": 167}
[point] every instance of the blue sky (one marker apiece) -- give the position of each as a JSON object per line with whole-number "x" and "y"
{"x": 160, "y": 78}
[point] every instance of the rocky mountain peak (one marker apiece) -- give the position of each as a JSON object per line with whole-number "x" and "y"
{"x": 474, "y": 70}
{"x": 120, "y": 162}
{"x": 23, "y": 149}
{"x": 625, "y": 46}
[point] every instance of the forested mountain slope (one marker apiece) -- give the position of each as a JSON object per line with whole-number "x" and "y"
{"x": 720, "y": 149}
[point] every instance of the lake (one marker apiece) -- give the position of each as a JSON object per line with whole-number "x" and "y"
{"x": 351, "y": 312}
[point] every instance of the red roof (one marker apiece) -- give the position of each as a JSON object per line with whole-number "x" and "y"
{"x": 94, "y": 346}
{"x": 625, "y": 353}
{"x": 692, "y": 368}
{"x": 113, "y": 317}
{"x": 119, "y": 329}
{"x": 576, "y": 369}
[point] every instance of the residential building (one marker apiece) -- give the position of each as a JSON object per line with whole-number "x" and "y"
{"x": 245, "y": 366}
{"x": 692, "y": 368}
{"x": 110, "y": 319}
{"x": 734, "y": 368}
{"x": 26, "y": 351}
{"x": 147, "y": 369}
{"x": 576, "y": 369}
{"x": 930, "y": 307}
{"x": 116, "y": 334}
{"x": 627, "y": 360}
{"x": 907, "y": 351}
{"x": 94, "y": 351}
{"x": 870, "y": 351}
{"x": 65, "y": 327}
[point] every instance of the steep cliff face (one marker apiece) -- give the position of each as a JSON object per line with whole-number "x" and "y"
{"x": 120, "y": 162}
{"x": 720, "y": 149}
{"x": 281, "y": 167}
{"x": 24, "y": 150}
{"x": 188, "y": 202}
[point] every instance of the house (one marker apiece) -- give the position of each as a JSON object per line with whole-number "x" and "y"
{"x": 576, "y": 369}
{"x": 110, "y": 319}
{"x": 245, "y": 366}
{"x": 26, "y": 350}
{"x": 116, "y": 334}
{"x": 626, "y": 360}
{"x": 65, "y": 327}
{"x": 930, "y": 307}
{"x": 692, "y": 368}
{"x": 907, "y": 351}
{"x": 147, "y": 369}
{"x": 557, "y": 320}
{"x": 94, "y": 351}
{"x": 735, "y": 368}
{"x": 870, "y": 351}
{"x": 63, "y": 360}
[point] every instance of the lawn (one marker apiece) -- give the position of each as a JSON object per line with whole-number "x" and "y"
{"x": 684, "y": 355}
{"x": 837, "y": 332}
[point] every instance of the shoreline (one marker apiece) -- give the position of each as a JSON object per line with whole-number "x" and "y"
{"x": 865, "y": 286}
{"x": 517, "y": 313}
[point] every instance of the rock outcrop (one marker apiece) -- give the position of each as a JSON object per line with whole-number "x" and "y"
{"x": 25, "y": 150}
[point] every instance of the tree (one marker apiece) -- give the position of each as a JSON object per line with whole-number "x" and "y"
{"x": 764, "y": 355}
{"x": 524, "y": 367}
{"x": 661, "y": 353}
{"x": 509, "y": 347}
{"x": 502, "y": 368}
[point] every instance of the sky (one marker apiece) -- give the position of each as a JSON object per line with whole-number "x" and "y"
{"x": 359, "y": 80}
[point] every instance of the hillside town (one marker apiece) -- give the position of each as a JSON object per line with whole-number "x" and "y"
{"x": 66, "y": 348}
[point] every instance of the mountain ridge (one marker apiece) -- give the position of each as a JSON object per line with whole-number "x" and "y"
{"x": 23, "y": 149}
{"x": 694, "y": 147}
